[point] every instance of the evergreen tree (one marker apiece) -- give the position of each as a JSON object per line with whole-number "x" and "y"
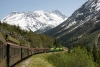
{"x": 88, "y": 48}
{"x": 69, "y": 50}
{"x": 0, "y": 22}
{"x": 55, "y": 43}
{"x": 98, "y": 60}
{"x": 94, "y": 52}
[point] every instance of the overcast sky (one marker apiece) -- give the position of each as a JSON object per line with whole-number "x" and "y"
{"x": 67, "y": 7}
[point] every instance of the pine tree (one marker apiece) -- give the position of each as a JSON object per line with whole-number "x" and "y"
{"x": 0, "y": 22}
{"x": 55, "y": 43}
{"x": 88, "y": 48}
{"x": 94, "y": 52}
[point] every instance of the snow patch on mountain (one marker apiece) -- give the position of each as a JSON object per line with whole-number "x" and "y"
{"x": 98, "y": 5}
{"x": 88, "y": 12}
{"x": 38, "y": 20}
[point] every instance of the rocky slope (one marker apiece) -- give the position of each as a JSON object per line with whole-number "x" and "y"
{"x": 81, "y": 27}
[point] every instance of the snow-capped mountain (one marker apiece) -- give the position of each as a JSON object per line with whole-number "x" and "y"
{"x": 35, "y": 21}
{"x": 84, "y": 20}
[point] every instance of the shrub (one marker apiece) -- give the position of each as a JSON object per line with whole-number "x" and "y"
{"x": 77, "y": 58}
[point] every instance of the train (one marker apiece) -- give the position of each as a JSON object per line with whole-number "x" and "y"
{"x": 11, "y": 52}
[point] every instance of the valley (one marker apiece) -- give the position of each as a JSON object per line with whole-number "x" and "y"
{"x": 79, "y": 33}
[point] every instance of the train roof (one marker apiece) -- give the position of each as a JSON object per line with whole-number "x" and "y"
{"x": 2, "y": 38}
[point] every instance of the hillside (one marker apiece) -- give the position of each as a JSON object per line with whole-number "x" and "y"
{"x": 83, "y": 26}
{"x": 26, "y": 38}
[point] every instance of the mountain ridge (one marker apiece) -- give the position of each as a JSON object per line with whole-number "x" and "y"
{"x": 38, "y": 20}
{"x": 78, "y": 26}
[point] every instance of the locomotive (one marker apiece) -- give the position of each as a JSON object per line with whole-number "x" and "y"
{"x": 12, "y": 52}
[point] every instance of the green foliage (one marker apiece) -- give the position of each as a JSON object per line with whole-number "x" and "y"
{"x": 94, "y": 52}
{"x": 96, "y": 55}
{"x": 76, "y": 58}
{"x": 13, "y": 39}
{"x": 27, "y": 38}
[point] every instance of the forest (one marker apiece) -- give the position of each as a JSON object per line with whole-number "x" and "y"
{"x": 28, "y": 38}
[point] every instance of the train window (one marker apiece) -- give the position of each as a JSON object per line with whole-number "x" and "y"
{"x": 12, "y": 51}
{"x": 23, "y": 50}
{"x": 16, "y": 51}
{"x": 1, "y": 51}
{"x": 19, "y": 51}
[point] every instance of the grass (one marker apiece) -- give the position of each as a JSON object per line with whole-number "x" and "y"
{"x": 76, "y": 58}
{"x": 38, "y": 60}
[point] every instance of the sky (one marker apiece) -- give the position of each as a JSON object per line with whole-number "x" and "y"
{"x": 66, "y": 7}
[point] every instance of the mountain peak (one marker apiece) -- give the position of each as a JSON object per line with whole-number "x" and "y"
{"x": 58, "y": 13}
{"x": 15, "y": 12}
{"x": 39, "y": 11}
{"x": 94, "y": 4}
{"x": 38, "y": 20}
{"x": 85, "y": 21}
{"x": 55, "y": 11}
{"x": 90, "y": 0}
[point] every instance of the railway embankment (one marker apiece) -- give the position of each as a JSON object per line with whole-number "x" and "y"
{"x": 38, "y": 60}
